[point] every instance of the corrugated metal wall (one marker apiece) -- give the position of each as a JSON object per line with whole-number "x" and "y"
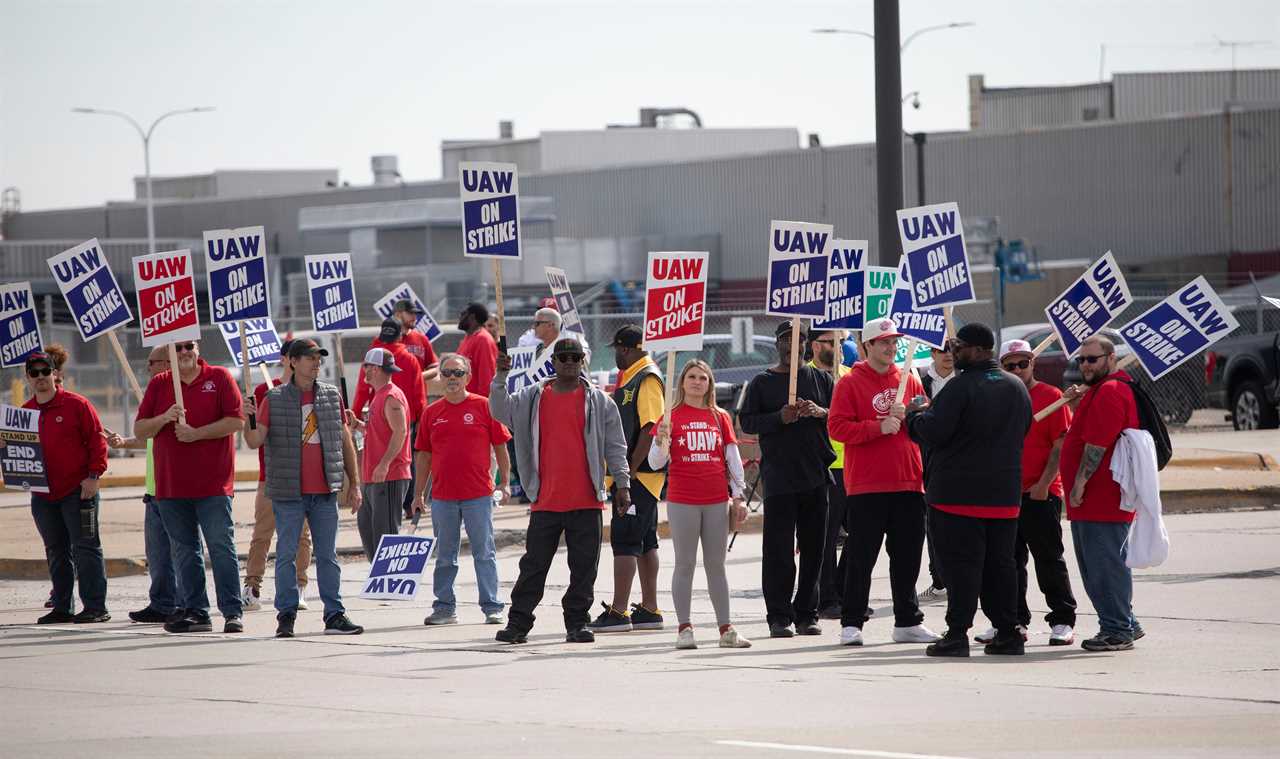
{"x": 1030, "y": 108}
{"x": 1144, "y": 96}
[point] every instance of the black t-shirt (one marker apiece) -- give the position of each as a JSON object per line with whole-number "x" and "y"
{"x": 796, "y": 457}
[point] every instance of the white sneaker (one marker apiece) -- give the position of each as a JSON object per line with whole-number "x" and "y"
{"x": 731, "y": 639}
{"x": 302, "y": 599}
{"x": 850, "y": 636}
{"x": 931, "y": 595}
{"x": 915, "y": 634}
{"x": 986, "y": 637}
{"x": 684, "y": 639}
{"x": 494, "y": 618}
{"x": 1061, "y": 635}
{"x": 250, "y": 598}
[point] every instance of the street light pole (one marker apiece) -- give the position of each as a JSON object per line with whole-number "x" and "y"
{"x": 146, "y": 155}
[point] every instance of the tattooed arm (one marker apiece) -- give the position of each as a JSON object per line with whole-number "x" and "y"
{"x": 1089, "y": 463}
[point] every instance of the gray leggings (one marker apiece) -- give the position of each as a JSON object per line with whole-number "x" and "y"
{"x": 689, "y": 524}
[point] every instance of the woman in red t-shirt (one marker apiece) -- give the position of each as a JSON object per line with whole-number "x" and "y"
{"x": 697, "y": 439}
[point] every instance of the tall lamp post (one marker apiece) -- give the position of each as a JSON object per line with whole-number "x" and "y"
{"x": 146, "y": 155}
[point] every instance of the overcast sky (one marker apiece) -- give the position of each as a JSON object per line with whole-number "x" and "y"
{"x": 320, "y": 84}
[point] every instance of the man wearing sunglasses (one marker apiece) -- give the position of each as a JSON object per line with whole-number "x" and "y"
{"x": 195, "y": 461}
{"x": 1099, "y": 527}
{"x": 567, "y": 433}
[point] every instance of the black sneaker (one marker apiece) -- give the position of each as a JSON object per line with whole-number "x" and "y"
{"x": 1102, "y": 642}
{"x": 830, "y": 611}
{"x": 1006, "y": 645}
{"x": 781, "y": 631}
{"x": 580, "y": 635}
{"x": 511, "y": 635}
{"x": 284, "y": 624}
{"x": 189, "y": 623}
{"x": 611, "y": 620}
{"x": 48, "y": 603}
{"x": 56, "y": 617}
{"x": 91, "y": 616}
{"x": 233, "y": 625}
{"x": 810, "y": 627}
{"x": 643, "y": 619}
{"x": 338, "y": 624}
{"x": 148, "y": 616}
{"x": 1139, "y": 634}
{"x": 950, "y": 645}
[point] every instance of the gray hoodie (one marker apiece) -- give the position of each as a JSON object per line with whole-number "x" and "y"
{"x": 602, "y": 434}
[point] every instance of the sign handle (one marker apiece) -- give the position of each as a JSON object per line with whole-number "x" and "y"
{"x": 1044, "y": 344}
{"x": 124, "y": 362}
{"x": 266, "y": 375}
{"x": 906, "y": 371}
{"x": 795, "y": 359}
{"x": 497, "y": 297}
{"x": 244, "y": 362}
{"x": 173, "y": 372}
{"x": 671, "y": 395}
{"x": 342, "y": 369}
{"x": 951, "y": 325}
{"x": 1052, "y": 407}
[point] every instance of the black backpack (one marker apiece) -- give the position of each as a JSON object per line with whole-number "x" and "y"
{"x": 1149, "y": 419}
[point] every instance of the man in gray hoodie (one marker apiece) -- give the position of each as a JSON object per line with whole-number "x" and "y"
{"x": 565, "y": 432}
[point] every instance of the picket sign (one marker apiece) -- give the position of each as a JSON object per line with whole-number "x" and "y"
{"x": 1090, "y": 303}
{"x": 331, "y": 287}
{"x": 19, "y": 324}
{"x": 797, "y": 279}
{"x": 936, "y": 256}
{"x": 675, "y": 309}
{"x": 490, "y": 198}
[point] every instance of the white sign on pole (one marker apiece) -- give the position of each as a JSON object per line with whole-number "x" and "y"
{"x": 333, "y": 293}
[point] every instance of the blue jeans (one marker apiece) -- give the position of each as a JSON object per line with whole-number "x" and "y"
{"x": 321, "y": 512}
{"x": 1101, "y": 548}
{"x": 447, "y": 520}
{"x": 165, "y": 593}
{"x": 70, "y": 552}
{"x": 185, "y": 519}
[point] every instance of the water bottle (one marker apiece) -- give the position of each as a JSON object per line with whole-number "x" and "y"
{"x": 498, "y": 495}
{"x": 88, "y": 527}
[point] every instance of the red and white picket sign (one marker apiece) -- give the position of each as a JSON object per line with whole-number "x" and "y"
{"x": 675, "y": 302}
{"x": 166, "y": 288}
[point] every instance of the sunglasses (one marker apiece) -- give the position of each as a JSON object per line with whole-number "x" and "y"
{"x": 454, "y": 373}
{"x": 1011, "y": 365}
{"x": 540, "y": 321}
{"x": 1091, "y": 360}
{"x": 827, "y": 341}
{"x": 568, "y": 358}
{"x": 184, "y": 347}
{"x": 45, "y": 372}
{"x": 954, "y": 345}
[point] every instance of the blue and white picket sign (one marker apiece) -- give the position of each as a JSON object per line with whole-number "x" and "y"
{"x": 928, "y": 326}
{"x": 797, "y": 269}
{"x": 386, "y": 306}
{"x": 21, "y": 453}
{"x": 235, "y": 262}
{"x": 846, "y": 285}
{"x": 19, "y": 326}
{"x": 1089, "y": 304}
{"x": 933, "y": 244}
{"x": 398, "y": 564}
{"x": 490, "y": 195}
{"x": 1178, "y": 327}
{"x": 96, "y": 301}
{"x": 1273, "y": 301}
{"x": 261, "y": 337}
{"x": 333, "y": 293}
{"x": 570, "y": 321}
{"x": 526, "y": 369}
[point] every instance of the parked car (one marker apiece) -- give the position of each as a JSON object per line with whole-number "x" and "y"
{"x": 1242, "y": 371}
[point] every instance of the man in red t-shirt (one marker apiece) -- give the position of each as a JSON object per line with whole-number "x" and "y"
{"x": 195, "y": 461}
{"x": 1040, "y": 518}
{"x": 385, "y": 462}
{"x": 479, "y": 348}
{"x": 566, "y": 433}
{"x": 454, "y": 442}
{"x": 407, "y": 313}
{"x": 1099, "y": 527}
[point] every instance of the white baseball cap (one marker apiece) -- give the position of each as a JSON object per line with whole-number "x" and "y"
{"x": 878, "y": 328}
{"x": 382, "y": 359}
{"x": 1015, "y": 347}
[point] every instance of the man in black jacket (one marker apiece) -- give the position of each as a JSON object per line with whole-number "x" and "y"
{"x": 795, "y": 456}
{"x": 975, "y": 432}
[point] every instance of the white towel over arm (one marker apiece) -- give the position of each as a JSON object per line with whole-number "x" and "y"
{"x": 1133, "y": 467}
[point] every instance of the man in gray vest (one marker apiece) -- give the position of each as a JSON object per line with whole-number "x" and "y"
{"x": 308, "y": 450}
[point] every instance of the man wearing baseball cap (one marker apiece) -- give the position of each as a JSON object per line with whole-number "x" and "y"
{"x": 385, "y": 466}
{"x": 416, "y": 344}
{"x": 974, "y": 431}
{"x": 1040, "y": 518}
{"x": 882, "y": 477}
{"x": 408, "y": 379}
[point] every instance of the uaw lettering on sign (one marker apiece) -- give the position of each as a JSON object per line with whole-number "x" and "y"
{"x": 1178, "y": 327}
{"x": 333, "y": 295}
{"x": 19, "y": 327}
{"x": 933, "y": 244}
{"x": 846, "y": 285}
{"x": 879, "y": 292}
{"x": 928, "y": 326}
{"x": 675, "y": 300}
{"x": 166, "y": 290}
{"x": 386, "y": 306}
{"x": 565, "y": 304}
{"x": 21, "y": 455}
{"x": 96, "y": 301}
{"x": 396, "y": 571}
{"x": 490, "y": 209}
{"x": 261, "y": 337}
{"x": 1089, "y": 304}
{"x": 527, "y": 369}
{"x": 797, "y": 269}
{"x": 236, "y": 266}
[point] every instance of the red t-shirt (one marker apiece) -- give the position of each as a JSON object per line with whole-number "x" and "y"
{"x": 565, "y": 481}
{"x": 206, "y": 467}
{"x": 377, "y": 437}
{"x": 482, "y": 351}
{"x": 459, "y": 436}
{"x": 1040, "y": 438}
{"x": 71, "y": 441}
{"x": 408, "y": 379}
{"x": 259, "y": 393}
{"x": 313, "y": 480}
{"x": 696, "y": 474}
{"x": 1105, "y": 411}
{"x": 417, "y": 345}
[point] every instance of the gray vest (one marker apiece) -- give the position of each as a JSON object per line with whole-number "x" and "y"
{"x": 283, "y": 447}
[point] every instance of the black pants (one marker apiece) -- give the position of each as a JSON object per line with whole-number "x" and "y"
{"x": 791, "y": 520}
{"x": 1040, "y": 533}
{"x": 978, "y": 555}
{"x": 935, "y": 564}
{"x": 71, "y": 551}
{"x": 831, "y": 584}
{"x": 896, "y": 519}
{"x": 582, "y": 530}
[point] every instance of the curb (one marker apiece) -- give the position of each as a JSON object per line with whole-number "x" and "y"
{"x": 138, "y": 480}
{"x": 38, "y": 569}
{"x": 1227, "y": 460}
{"x": 1265, "y": 497}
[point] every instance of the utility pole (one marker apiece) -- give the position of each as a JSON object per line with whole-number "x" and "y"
{"x": 888, "y": 57}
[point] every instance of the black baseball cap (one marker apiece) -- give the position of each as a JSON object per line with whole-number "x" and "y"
{"x": 568, "y": 345}
{"x": 784, "y": 328}
{"x": 978, "y": 335}
{"x": 408, "y": 305}
{"x": 306, "y": 347}
{"x": 390, "y": 331}
{"x": 627, "y": 336}
{"x": 39, "y": 357}
{"x": 284, "y": 347}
